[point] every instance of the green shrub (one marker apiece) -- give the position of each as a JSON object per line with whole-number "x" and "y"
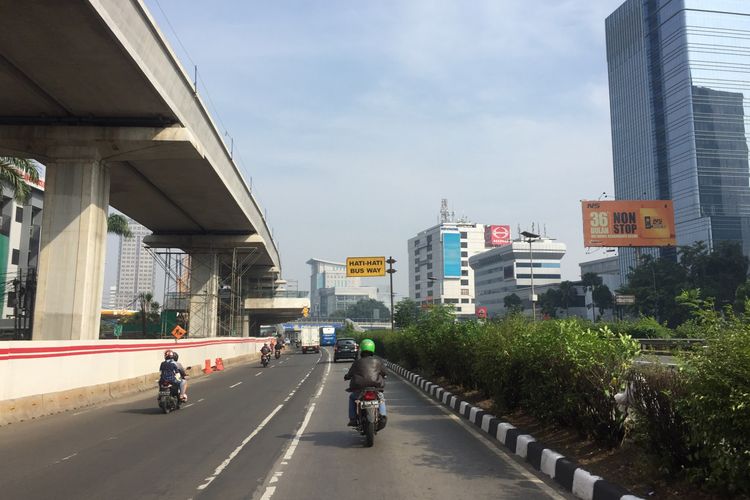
{"x": 655, "y": 393}
{"x": 717, "y": 410}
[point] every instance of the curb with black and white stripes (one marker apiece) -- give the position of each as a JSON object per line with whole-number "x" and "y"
{"x": 566, "y": 473}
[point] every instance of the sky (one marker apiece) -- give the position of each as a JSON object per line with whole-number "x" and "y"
{"x": 351, "y": 120}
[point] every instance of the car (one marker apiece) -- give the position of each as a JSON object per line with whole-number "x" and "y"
{"x": 345, "y": 349}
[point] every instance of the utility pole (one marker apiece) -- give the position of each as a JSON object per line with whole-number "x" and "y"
{"x": 530, "y": 238}
{"x": 390, "y": 272}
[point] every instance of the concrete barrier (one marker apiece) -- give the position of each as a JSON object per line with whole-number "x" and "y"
{"x": 43, "y": 378}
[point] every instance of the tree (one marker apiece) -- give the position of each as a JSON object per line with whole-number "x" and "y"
{"x": 406, "y": 313}
{"x": 716, "y": 274}
{"x": 568, "y": 295}
{"x": 14, "y": 172}
{"x": 591, "y": 279}
{"x": 656, "y": 283}
{"x": 148, "y": 311}
{"x": 118, "y": 224}
{"x": 512, "y": 304}
{"x": 602, "y": 298}
{"x": 368, "y": 309}
{"x": 549, "y": 302}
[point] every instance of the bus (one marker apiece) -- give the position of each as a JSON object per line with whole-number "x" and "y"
{"x": 327, "y": 335}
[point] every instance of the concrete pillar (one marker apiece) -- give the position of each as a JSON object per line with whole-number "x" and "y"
{"x": 73, "y": 245}
{"x": 204, "y": 294}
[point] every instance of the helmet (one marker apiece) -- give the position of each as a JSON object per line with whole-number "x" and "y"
{"x": 265, "y": 344}
{"x": 368, "y": 346}
{"x": 175, "y": 356}
{"x": 168, "y": 354}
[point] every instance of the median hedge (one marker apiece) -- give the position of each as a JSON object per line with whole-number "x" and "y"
{"x": 694, "y": 420}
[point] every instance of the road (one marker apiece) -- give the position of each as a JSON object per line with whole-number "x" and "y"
{"x": 250, "y": 432}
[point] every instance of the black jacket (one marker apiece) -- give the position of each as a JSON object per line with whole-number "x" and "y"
{"x": 368, "y": 371}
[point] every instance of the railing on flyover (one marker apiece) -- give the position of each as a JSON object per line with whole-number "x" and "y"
{"x": 275, "y": 294}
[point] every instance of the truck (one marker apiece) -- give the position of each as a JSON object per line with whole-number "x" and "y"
{"x": 309, "y": 339}
{"x": 327, "y": 335}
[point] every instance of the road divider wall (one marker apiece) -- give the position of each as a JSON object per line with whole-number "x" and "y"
{"x": 45, "y": 377}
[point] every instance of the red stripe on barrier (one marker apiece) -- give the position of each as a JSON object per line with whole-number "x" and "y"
{"x": 61, "y": 351}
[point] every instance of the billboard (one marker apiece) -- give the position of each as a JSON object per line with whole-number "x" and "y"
{"x": 451, "y": 255}
{"x": 631, "y": 223}
{"x": 496, "y": 236}
{"x": 358, "y": 267}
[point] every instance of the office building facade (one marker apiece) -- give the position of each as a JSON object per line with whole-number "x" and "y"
{"x": 439, "y": 271}
{"x": 679, "y": 75}
{"x": 331, "y": 291}
{"x": 135, "y": 268}
{"x": 508, "y": 269}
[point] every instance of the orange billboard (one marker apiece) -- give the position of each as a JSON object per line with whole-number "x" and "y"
{"x": 631, "y": 223}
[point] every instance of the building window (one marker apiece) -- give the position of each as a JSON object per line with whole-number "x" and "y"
{"x": 464, "y": 282}
{"x": 464, "y": 263}
{"x": 464, "y": 254}
{"x": 19, "y": 214}
{"x": 464, "y": 244}
{"x": 464, "y": 235}
{"x": 464, "y": 273}
{"x": 417, "y": 286}
{"x": 417, "y": 295}
{"x": 14, "y": 258}
{"x": 464, "y": 291}
{"x": 429, "y": 239}
{"x": 464, "y": 301}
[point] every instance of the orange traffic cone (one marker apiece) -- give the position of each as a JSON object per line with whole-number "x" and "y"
{"x": 208, "y": 368}
{"x": 219, "y": 364}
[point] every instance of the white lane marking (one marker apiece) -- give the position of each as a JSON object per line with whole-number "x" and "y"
{"x": 258, "y": 374}
{"x": 236, "y": 451}
{"x": 268, "y": 493}
{"x": 270, "y": 490}
{"x": 483, "y": 439}
{"x": 235, "y": 385}
{"x": 66, "y": 458}
{"x": 201, "y": 399}
{"x": 188, "y": 405}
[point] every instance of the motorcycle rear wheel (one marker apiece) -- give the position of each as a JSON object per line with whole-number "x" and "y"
{"x": 369, "y": 434}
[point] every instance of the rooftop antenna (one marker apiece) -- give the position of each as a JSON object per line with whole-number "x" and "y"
{"x": 545, "y": 230}
{"x": 519, "y": 230}
{"x": 445, "y": 214}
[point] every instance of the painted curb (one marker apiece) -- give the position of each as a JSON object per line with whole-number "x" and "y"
{"x": 564, "y": 472}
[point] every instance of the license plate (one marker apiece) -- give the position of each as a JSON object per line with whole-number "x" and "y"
{"x": 164, "y": 393}
{"x": 370, "y": 403}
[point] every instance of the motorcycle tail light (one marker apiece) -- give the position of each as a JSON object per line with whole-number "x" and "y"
{"x": 370, "y": 396}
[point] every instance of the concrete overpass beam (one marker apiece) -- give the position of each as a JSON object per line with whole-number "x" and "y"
{"x": 73, "y": 245}
{"x": 204, "y": 294}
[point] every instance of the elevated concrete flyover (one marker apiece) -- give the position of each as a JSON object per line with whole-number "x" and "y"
{"x": 91, "y": 89}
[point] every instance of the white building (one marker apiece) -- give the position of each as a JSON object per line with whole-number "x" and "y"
{"x": 506, "y": 270}
{"x": 327, "y": 274}
{"x": 135, "y": 268}
{"x": 340, "y": 298}
{"x": 20, "y": 230}
{"x": 439, "y": 271}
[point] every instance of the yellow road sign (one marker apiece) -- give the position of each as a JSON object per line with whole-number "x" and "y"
{"x": 178, "y": 332}
{"x": 365, "y": 266}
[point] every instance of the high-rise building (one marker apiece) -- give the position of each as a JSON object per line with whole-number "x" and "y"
{"x": 135, "y": 268}
{"x": 679, "y": 72}
{"x": 439, "y": 271}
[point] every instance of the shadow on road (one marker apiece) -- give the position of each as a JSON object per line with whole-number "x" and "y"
{"x": 143, "y": 411}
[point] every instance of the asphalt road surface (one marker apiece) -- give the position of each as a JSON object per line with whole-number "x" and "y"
{"x": 250, "y": 432}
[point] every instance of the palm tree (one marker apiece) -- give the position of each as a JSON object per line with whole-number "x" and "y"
{"x": 118, "y": 224}
{"x": 14, "y": 172}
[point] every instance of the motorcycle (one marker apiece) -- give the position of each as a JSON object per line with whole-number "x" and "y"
{"x": 265, "y": 359}
{"x": 169, "y": 396}
{"x": 368, "y": 414}
{"x": 278, "y": 353}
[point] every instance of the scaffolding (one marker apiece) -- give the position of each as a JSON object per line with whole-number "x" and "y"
{"x": 220, "y": 300}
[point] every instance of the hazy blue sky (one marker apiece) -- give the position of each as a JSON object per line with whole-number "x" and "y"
{"x": 355, "y": 118}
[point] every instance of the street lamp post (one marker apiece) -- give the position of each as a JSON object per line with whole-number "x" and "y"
{"x": 390, "y": 272}
{"x": 530, "y": 238}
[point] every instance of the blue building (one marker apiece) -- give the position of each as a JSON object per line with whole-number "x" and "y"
{"x": 679, "y": 77}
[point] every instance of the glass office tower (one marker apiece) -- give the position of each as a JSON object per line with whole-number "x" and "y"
{"x": 679, "y": 81}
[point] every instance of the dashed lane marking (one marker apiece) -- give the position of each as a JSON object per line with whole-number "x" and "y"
{"x": 235, "y": 385}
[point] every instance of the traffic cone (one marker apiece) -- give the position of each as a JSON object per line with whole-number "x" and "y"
{"x": 219, "y": 364}
{"x": 208, "y": 368}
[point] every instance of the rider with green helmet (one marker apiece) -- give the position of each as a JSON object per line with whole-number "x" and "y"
{"x": 367, "y": 371}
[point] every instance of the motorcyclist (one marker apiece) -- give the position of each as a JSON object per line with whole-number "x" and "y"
{"x": 279, "y": 345}
{"x": 173, "y": 372}
{"x": 367, "y": 371}
{"x": 265, "y": 350}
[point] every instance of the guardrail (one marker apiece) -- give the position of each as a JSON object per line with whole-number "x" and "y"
{"x": 269, "y": 294}
{"x": 668, "y": 346}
